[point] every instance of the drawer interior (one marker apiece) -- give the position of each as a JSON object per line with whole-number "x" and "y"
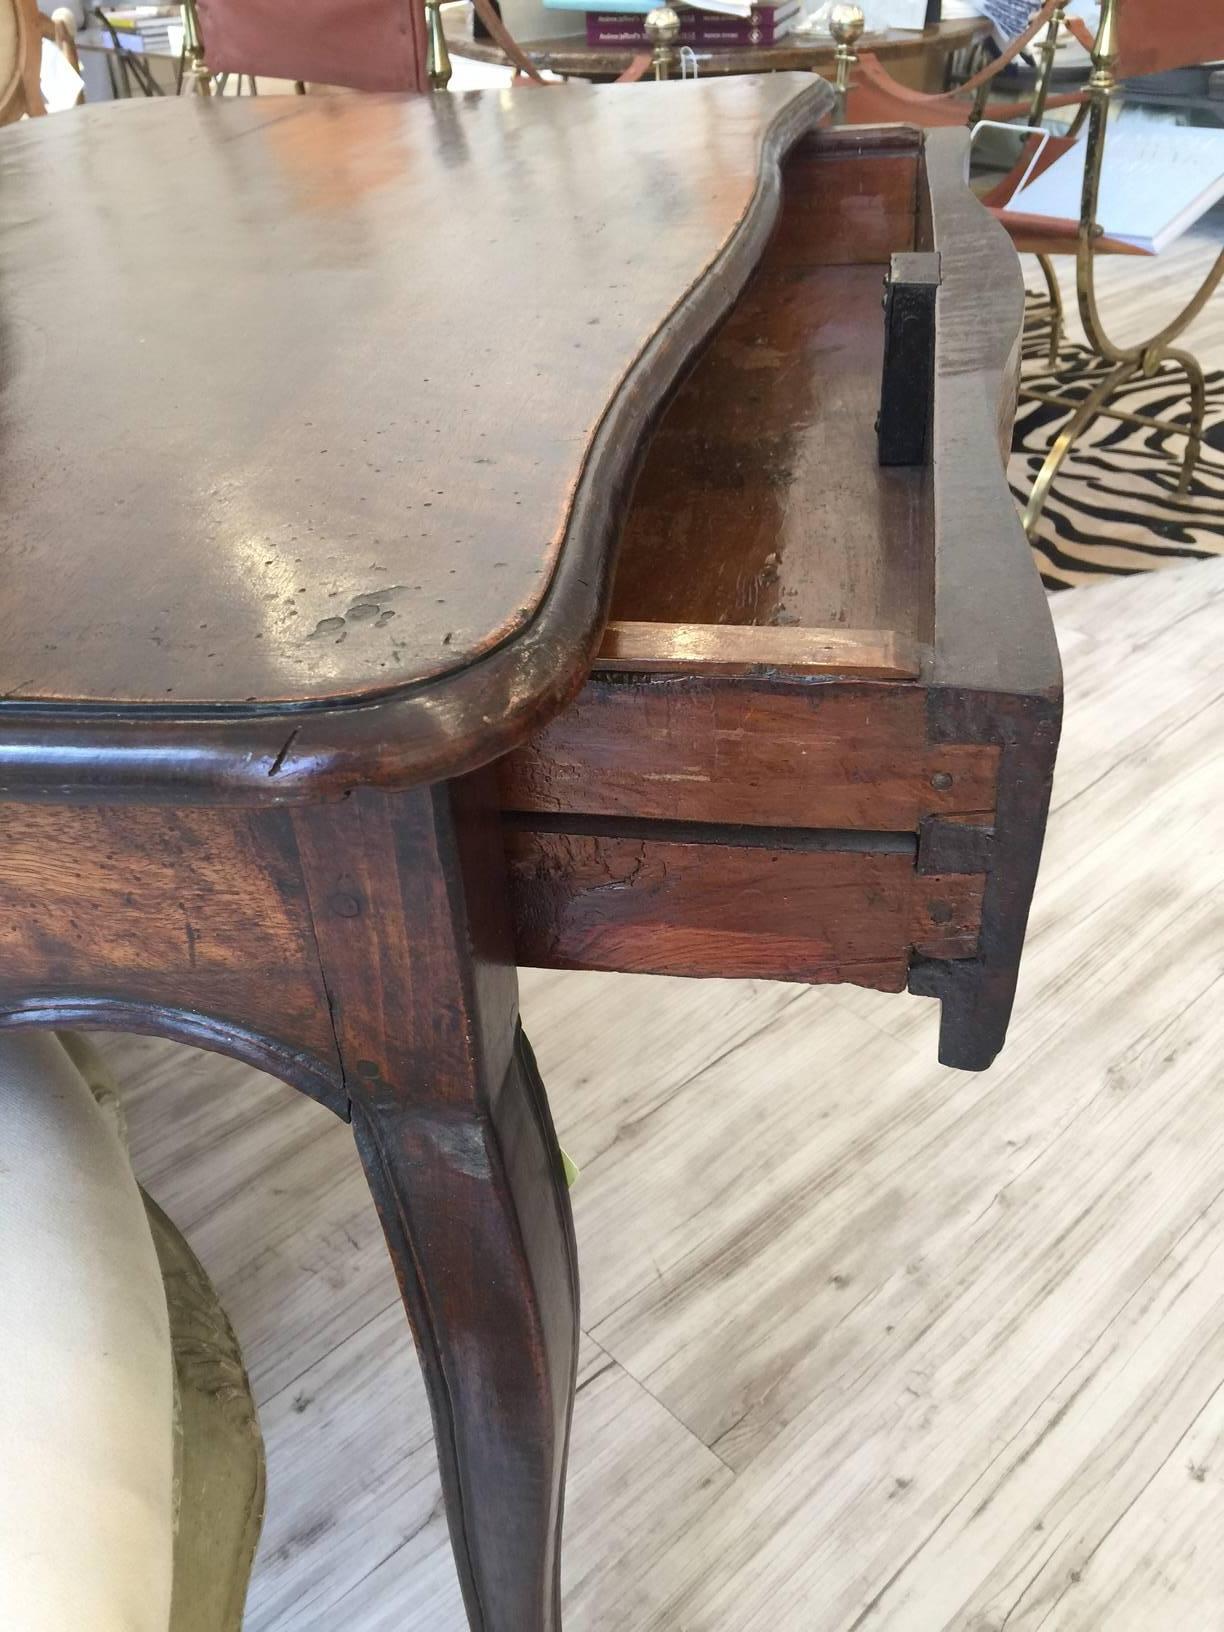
{"x": 740, "y": 787}
{"x": 763, "y": 528}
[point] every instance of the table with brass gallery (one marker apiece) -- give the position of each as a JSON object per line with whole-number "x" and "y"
{"x": 352, "y": 656}
{"x": 918, "y": 57}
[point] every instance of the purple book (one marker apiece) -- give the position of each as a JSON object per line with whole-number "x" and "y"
{"x": 763, "y": 26}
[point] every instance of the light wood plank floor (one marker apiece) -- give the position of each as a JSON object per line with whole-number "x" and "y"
{"x": 869, "y": 1343}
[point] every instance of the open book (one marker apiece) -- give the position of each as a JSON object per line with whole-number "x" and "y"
{"x": 1157, "y": 179}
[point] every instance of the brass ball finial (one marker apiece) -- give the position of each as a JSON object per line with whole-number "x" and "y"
{"x": 662, "y": 30}
{"x": 663, "y": 26}
{"x": 846, "y": 23}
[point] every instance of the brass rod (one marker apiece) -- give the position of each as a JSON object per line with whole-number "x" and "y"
{"x": 1085, "y": 412}
{"x": 1027, "y": 394}
{"x": 1125, "y": 362}
{"x": 846, "y": 24}
{"x": 1045, "y": 75}
{"x": 437, "y": 63}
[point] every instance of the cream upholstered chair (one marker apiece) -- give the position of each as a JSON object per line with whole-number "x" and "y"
{"x": 131, "y": 1473}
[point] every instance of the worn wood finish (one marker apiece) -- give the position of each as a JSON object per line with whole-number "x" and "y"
{"x": 819, "y": 754}
{"x": 761, "y": 500}
{"x": 179, "y": 668}
{"x": 363, "y": 952}
{"x": 725, "y": 649}
{"x": 193, "y": 923}
{"x": 357, "y": 529}
{"x": 455, "y": 1134}
{"x": 765, "y": 437}
{"x": 853, "y": 205}
{"x": 652, "y": 905}
{"x": 995, "y": 672}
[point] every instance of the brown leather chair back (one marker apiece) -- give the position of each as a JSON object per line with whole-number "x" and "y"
{"x": 1156, "y": 36}
{"x": 367, "y": 45}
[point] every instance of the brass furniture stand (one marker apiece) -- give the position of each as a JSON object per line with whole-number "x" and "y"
{"x": 1134, "y": 37}
{"x": 1126, "y": 363}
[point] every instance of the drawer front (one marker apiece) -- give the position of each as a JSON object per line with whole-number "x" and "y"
{"x": 620, "y": 902}
{"x": 743, "y": 751}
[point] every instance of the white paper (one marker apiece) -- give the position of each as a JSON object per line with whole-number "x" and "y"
{"x": 58, "y": 79}
{"x": 882, "y": 14}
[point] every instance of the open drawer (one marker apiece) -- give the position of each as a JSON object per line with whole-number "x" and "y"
{"x": 766, "y": 773}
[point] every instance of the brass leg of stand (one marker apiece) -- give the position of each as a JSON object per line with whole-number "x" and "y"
{"x": 1198, "y": 414}
{"x": 1079, "y": 421}
{"x": 1056, "y": 306}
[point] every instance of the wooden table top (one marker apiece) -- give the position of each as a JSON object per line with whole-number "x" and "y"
{"x": 250, "y": 462}
{"x": 572, "y": 55}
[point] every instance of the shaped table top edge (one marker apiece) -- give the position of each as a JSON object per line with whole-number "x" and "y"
{"x": 993, "y": 629}
{"x": 449, "y": 724}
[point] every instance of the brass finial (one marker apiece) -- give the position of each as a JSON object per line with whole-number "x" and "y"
{"x": 196, "y": 75}
{"x": 1045, "y": 73}
{"x": 1105, "y": 50}
{"x": 662, "y": 30}
{"x": 846, "y": 23}
{"x": 437, "y": 62}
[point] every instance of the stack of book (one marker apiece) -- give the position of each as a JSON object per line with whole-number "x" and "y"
{"x": 753, "y": 24}
{"x": 156, "y": 29}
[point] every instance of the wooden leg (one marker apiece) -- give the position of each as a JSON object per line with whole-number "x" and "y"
{"x": 409, "y": 904}
{"x": 478, "y": 1222}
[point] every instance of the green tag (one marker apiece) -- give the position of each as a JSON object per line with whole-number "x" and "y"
{"x": 571, "y": 1169}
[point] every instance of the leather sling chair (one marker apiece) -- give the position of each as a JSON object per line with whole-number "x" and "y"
{"x": 876, "y": 98}
{"x": 363, "y": 45}
{"x": 873, "y": 96}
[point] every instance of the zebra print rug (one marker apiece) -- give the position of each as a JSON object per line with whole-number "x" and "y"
{"x": 1114, "y": 507}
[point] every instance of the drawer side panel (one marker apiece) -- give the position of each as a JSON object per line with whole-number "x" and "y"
{"x": 621, "y": 903}
{"x": 748, "y": 752}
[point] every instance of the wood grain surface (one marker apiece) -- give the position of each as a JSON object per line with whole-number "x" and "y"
{"x": 815, "y": 754}
{"x": 761, "y": 499}
{"x": 650, "y": 906}
{"x": 375, "y": 923}
{"x": 410, "y": 907}
{"x": 193, "y": 923}
{"x": 303, "y": 482}
{"x": 728, "y": 648}
{"x": 307, "y": 488}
